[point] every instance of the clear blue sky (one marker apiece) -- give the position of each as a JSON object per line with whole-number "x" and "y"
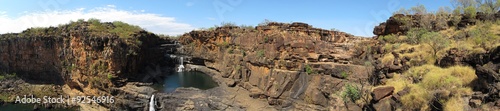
{"x": 178, "y": 16}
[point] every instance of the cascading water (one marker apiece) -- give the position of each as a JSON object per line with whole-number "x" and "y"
{"x": 152, "y": 103}
{"x": 181, "y": 67}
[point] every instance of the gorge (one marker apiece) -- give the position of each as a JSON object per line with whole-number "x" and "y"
{"x": 273, "y": 66}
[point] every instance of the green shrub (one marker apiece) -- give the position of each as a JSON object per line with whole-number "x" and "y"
{"x": 481, "y": 36}
{"x": 470, "y": 12}
{"x": 344, "y": 74}
{"x": 228, "y": 24}
{"x": 110, "y": 76}
{"x": 247, "y": 27}
{"x": 96, "y": 26}
{"x": 435, "y": 40}
{"x": 414, "y": 34}
{"x": 125, "y": 30}
{"x": 351, "y": 93}
{"x": 389, "y": 38}
{"x": 260, "y": 53}
{"x": 309, "y": 69}
{"x": 7, "y": 76}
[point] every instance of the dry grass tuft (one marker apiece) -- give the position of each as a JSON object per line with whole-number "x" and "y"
{"x": 398, "y": 82}
{"x": 387, "y": 59}
{"x": 465, "y": 73}
{"x": 440, "y": 79}
{"x": 454, "y": 104}
{"x": 418, "y": 98}
{"x": 420, "y": 71}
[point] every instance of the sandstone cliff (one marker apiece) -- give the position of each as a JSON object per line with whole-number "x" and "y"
{"x": 280, "y": 61}
{"x": 91, "y": 61}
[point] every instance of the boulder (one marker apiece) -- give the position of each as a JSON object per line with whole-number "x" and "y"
{"x": 383, "y": 105}
{"x": 313, "y": 56}
{"x": 382, "y": 92}
{"x": 397, "y": 96}
{"x": 389, "y": 75}
{"x": 231, "y": 83}
{"x": 475, "y": 103}
{"x": 257, "y": 93}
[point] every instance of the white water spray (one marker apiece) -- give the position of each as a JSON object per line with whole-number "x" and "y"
{"x": 181, "y": 67}
{"x": 152, "y": 103}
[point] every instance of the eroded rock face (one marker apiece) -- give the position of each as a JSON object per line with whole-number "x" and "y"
{"x": 282, "y": 61}
{"x": 391, "y": 26}
{"x": 92, "y": 65}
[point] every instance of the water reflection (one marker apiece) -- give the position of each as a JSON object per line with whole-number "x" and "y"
{"x": 194, "y": 79}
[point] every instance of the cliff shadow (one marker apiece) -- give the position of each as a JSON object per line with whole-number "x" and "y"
{"x": 49, "y": 76}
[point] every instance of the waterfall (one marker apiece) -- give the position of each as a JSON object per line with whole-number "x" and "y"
{"x": 181, "y": 67}
{"x": 152, "y": 103}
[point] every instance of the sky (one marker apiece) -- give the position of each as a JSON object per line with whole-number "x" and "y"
{"x": 176, "y": 17}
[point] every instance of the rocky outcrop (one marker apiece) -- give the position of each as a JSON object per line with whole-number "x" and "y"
{"x": 392, "y": 25}
{"x": 487, "y": 70}
{"x": 396, "y": 25}
{"x": 73, "y": 55}
{"x": 280, "y": 61}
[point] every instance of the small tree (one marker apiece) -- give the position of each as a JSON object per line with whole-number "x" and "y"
{"x": 463, "y": 3}
{"x": 419, "y": 9}
{"x": 442, "y": 16}
{"x": 265, "y": 22}
{"x": 414, "y": 34}
{"x": 488, "y": 6}
{"x": 228, "y": 24}
{"x": 435, "y": 40}
{"x": 402, "y": 11}
{"x": 470, "y": 11}
{"x": 456, "y": 16}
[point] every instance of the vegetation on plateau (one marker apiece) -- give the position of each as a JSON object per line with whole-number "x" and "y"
{"x": 429, "y": 35}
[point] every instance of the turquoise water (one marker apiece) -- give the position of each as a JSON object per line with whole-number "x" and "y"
{"x": 194, "y": 79}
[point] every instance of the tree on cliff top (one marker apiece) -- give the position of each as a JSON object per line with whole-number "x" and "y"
{"x": 486, "y": 6}
{"x": 463, "y": 3}
{"x": 489, "y": 6}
